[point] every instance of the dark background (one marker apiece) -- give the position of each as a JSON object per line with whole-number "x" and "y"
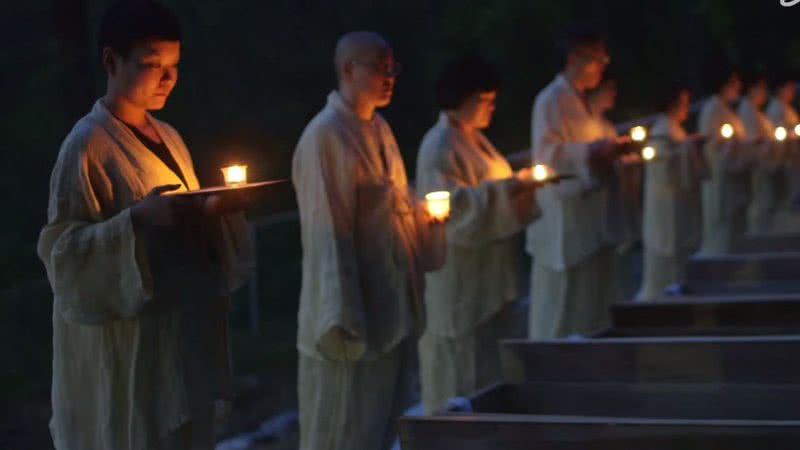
{"x": 254, "y": 72}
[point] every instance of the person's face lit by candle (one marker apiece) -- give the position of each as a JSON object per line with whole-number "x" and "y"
{"x": 144, "y": 78}
{"x": 678, "y": 110}
{"x": 785, "y": 92}
{"x": 604, "y": 97}
{"x": 731, "y": 88}
{"x": 758, "y": 93}
{"x": 476, "y": 111}
{"x": 589, "y": 62}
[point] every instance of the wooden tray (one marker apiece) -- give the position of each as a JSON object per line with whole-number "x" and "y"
{"x": 249, "y": 187}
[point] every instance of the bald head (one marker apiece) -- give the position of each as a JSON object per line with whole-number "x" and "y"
{"x": 366, "y": 68}
{"x": 359, "y": 46}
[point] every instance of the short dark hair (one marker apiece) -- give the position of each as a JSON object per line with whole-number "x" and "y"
{"x": 463, "y": 77}
{"x": 580, "y": 35}
{"x": 754, "y": 78}
{"x": 127, "y": 23}
{"x": 722, "y": 75}
{"x": 782, "y": 78}
{"x": 670, "y": 95}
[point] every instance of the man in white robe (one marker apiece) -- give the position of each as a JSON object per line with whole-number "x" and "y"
{"x": 624, "y": 204}
{"x": 669, "y": 231}
{"x": 726, "y": 193}
{"x": 469, "y": 301}
{"x": 574, "y": 273}
{"x": 766, "y": 173}
{"x": 141, "y": 280}
{"x": 364, "y": 252}
{"x": 782, "y": 113}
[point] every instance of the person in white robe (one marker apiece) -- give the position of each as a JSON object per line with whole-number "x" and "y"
{"x": 766, "y": 172}
{"x": 141, "y": 280}
{"x": 670, "y": 229}
{"x": 726, "y": 193}
{"x": 366, "y": 243}
{"x": 469, "y": 300}
{"x": 623, "y": 191}
{"x": 574, "y": 274}
{"x": 782, "y": 113}
{"x": 602, "y": 99}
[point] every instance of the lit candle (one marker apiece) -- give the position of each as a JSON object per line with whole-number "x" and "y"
{"x": 726, "y": 131}
{"x": 648, "y": 153}
{"x": 541, "y": 172}
{"x": 638, "y": 133}
{"x": 235, "y": 175}
{"x": 780, "y": 134}
{"x": 797, "y": 130}
{"x": 438, "y": 204}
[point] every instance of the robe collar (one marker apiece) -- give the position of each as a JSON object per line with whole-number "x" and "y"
{"x": 135, "y": 148}
{"x": 336, "y": 102}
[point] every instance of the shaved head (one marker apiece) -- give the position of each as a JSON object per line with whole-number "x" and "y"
{"x": 366, "y": 69}
{"x": 359, "y": 46}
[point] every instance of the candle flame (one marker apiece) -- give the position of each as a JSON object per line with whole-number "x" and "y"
{"x": 638, "y": 133}
{"x": 648, "y": 153}
{"x": 780, "y": 134}
{"x": 438, "y": 204}
{"x": 541, "y": 172}
{"x": 797, "y": 130}
{"x": 235, "y": 175}
{"x": 726, "y": 131}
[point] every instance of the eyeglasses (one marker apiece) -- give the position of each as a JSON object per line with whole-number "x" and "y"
{"x": 595, "y": 57}
{"x": 392, "y": 69}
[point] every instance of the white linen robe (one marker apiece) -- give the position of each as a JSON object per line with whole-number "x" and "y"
{"x": 623, "y": 213}
{"x": 726, "y": 193}
{"x": 465, "y": 299}
{"x": 767, "y": 180}
{"x": 140, "y": 338}
{"x": 787, "y": 117}
{"x": 574, "y": 272}
{"x": 670, "y": 227}
{"x": 364, "y": 238}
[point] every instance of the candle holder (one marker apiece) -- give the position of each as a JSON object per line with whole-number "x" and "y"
{"x": 726, "y": 131}
{"x": 648, "y": 153}
{"x": 542, "y": 172}
{"x": 235, "y": 175}
{"x": 438, "y": 204}
{"x": 638, "y": 133}
{"x": 781, "y": 134}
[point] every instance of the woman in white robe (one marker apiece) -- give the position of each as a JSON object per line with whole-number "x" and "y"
{"x": 782, "y": 113}
{"x": 669, "y": 233}
{"x": 624, "y": 191}
{"x": 726, "y": 193}
{"x": 468, "y": 301}
{"x": 766, "y": 173}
